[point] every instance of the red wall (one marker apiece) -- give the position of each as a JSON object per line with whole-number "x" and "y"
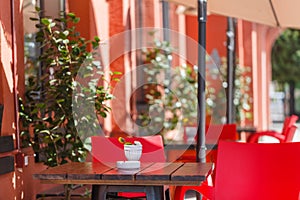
{"x": 215, "y": 32}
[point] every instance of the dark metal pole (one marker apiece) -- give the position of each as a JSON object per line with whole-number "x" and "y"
{"x": 166, "y": 19}
{"x": 230, "y": 69}
{"x": 200, "y": 147}
{"x": 166, "y": 33}
{"x": 230, "y": 66}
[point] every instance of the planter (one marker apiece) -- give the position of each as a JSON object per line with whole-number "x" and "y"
{"x": 133, "y": 152}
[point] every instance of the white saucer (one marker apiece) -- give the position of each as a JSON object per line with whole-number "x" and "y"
{"x": 128, "y": 165}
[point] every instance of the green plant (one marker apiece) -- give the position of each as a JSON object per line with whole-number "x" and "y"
{"x": 173, "y": 101}
{"x": 172, "y": 95}
{"x": 123, "y": 141}
{"x": 48, "y": 112}
{"x": 242, "y": 99}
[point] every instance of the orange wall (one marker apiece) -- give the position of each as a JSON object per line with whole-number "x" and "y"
{"x": 82, "y": 10}
{"x": 115, "y": 24}
{"x": 215, "y": 32}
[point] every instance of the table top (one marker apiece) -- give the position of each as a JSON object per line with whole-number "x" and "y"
{"x": 248, "y": 129}
{"x": 108, "y": 174}
{"x": 181, "y": 145}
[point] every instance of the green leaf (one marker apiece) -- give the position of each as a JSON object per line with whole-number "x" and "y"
{"x": 33, "y": 19}
{"x": 116, "y": 73}
{"x": 72, "y": 15}
{"x": 66, "y": 32}
{"x": 52, "y": 24}
{"x": 45, "y": 21}
{"x": 66, "y": 41}
{"x": 76, "y": 20}
{"x": 97, "y": 39}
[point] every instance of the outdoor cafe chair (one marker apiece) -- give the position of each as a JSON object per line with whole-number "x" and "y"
{"x": 260, "y": 171}
{"x": 213, "y": 134}
{"x": 288, "y": 122}
{"x": 286, "y": 135}
{"x": 109, "y": 149}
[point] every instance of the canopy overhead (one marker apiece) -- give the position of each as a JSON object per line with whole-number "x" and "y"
{"x": 269, "y": 12}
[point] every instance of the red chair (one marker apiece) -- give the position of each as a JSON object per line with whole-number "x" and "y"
{"x": 286, "y": 135}
{"x": 253, "y": 171}
{"x": 288, "y": 122}
{"x": 214, "y": 133}
{"x": 111, "y": 150}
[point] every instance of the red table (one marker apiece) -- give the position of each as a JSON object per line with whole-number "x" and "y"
{"x": 150, "y": 178}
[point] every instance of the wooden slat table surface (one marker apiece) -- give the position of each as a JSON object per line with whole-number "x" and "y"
{"x": 151, "y": 177}
{"x": 108, "y": 174}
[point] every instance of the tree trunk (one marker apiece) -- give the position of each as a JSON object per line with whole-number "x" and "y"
{"x": 292, "y": 97}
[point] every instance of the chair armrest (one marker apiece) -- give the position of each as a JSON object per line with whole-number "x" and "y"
{"x": 207, "y": 191}
{"x": 206, "y": 188}
{"x": 254, "y": 138}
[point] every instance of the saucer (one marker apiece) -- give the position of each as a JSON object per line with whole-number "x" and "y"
{"x": 128, "y": 165}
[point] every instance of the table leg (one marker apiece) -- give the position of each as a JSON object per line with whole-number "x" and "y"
{"x": 99, "y": 192}
{"x": 155, "y": 192}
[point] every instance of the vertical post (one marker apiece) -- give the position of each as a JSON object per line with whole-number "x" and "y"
{"x": 166, "y": 23}
{"x": 230, "y": 69}
{"x": 200, "y": 147}
{"x": 15, "y": 72}
{"x": 166, "y": 33}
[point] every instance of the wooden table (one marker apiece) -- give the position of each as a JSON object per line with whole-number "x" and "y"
{"x": 150, "y": 178}
{"x": 246, "y": 130}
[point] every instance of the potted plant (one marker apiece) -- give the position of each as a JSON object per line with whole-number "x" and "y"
{"x": 48, "y": 116}
{"x": 132, "y": 151}
{"x": 173, "y": 100}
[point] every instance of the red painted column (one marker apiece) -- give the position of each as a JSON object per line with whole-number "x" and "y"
{"x": 15, "y": 185}
{"x": 255, "y": 45}
{"x": 116, "y": 26}
{"x": 265, "y": 38}
{"x": 82, "y": 10}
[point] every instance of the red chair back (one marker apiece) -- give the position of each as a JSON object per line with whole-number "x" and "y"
{"x": 214, "y": 133}
{"x": 289, "y": 122}
{"x": 109, "y": 149}
{"x": 257, "y": 171}
{"x": 286, "y": 135}
{"x": 290, "y": 134}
